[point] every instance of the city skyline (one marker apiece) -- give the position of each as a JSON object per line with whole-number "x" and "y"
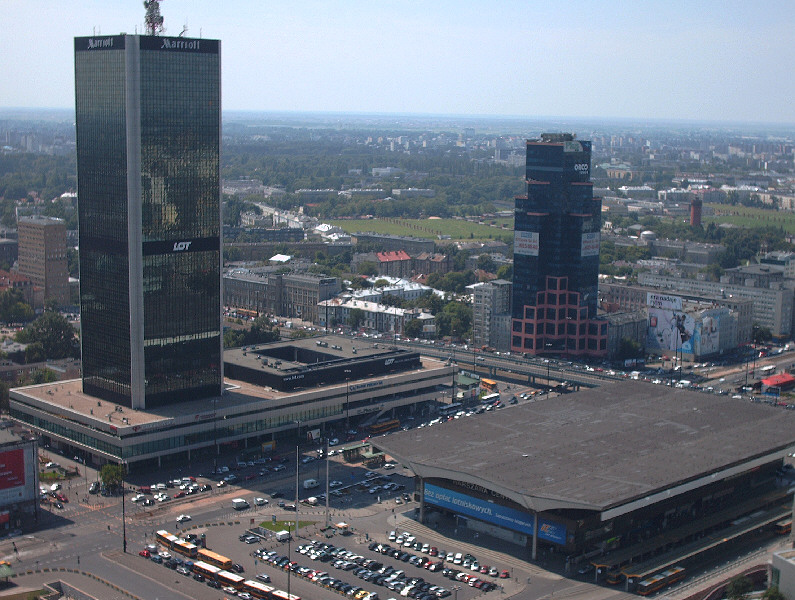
{"x": 726, "y": 62}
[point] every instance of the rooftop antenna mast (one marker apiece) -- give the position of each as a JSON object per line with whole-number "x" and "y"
{"x": 154, "y": 20}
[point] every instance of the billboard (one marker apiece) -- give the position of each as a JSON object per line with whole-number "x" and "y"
{"x": 706, "y": 336}
{"x": 525, "y": 242}
{"x": 589, "y": 245}
{"x": 490, "y": 512}
{"x": 669, "y": 328}
{"x": 17, "y": 477}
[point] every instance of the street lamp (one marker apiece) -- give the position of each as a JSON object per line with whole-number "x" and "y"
{"x": 123, "y": 514}
{"x": 289, "y": 556}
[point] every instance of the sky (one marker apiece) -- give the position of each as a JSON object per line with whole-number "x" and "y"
{"x": 701, "y": 60}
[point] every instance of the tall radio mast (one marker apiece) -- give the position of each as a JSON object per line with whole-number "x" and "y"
{"x": 154, "y": 20}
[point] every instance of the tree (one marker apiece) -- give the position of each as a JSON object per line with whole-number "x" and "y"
{"x": 505, "y": 272}
{"x": 760, "y": 334}
{"x": 629, "y": 348}
{"x": 55, "y": 334}
{"x": 413, "y": 328}
{"x": 739, "y": 588}
{"x": 112, "y": 475}
{"x": 356, "y": 318}
{"x": 367, "y": 267}
{"x": 773, "y": 593}
{"x": 486, "y": 263}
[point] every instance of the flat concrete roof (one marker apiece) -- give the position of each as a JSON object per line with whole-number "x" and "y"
{"x": 67, "y": 400}
{"x": 625, "y": 443}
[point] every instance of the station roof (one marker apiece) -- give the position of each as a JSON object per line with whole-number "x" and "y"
{"x": 611, "y": 449}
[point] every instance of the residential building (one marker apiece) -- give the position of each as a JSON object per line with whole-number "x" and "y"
{"x": 427, "y": 263}
{"x": 265, "y": 291}
{"x": 556, "y": 253}
{"x": 489, "y": 301}
{"x": 150, "y": 217}
{"x": 42, "y": 256}
{"x": 393, "y": 243}
{"x": 772, "y": 306}
{"x": 394, "y": 264}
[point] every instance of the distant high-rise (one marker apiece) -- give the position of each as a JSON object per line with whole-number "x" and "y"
{"x": 556, "y": 253}
{"x": 42, "y": 256}
{"x": 148, "y": 112}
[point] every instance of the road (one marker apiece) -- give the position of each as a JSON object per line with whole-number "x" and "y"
{"x": 86, "y": 537}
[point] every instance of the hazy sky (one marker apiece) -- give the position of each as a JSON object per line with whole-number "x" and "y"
{"x": 669, "y": 59}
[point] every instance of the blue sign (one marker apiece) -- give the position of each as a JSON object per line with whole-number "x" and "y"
{"x": 490, "y": 512}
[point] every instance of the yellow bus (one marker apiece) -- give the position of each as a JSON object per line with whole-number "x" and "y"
{"x": 282, "y": 595}
{"x": 214, "y": 559}
{"x": 784, "y": 527}
{"x": 185, "y": 548}
{"x": 488, "y": 384}
{"x": 209, "y": 571}
{"x": 230, "y": 579}
{"x": 257, "y": 589}
{"x": 383, "y": 426}
{"x": 166, "y": 539}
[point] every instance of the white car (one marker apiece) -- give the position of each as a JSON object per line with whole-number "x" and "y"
{"x": 138, "y": 497}
{"x": 164, "y": 555}
{"x": 260, "y": 501}
{"x": 333, "y": 442}
{"x": 183, "y": 518}
{"x": 334, "y": 484}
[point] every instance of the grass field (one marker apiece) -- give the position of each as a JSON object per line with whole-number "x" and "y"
{"x": 744, "y": 216}
{"x": 431, "y": 228}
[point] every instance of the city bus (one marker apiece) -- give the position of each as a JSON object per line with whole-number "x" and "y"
{"x": 450, "y": 409}
{"x": 230, "y": 579}
{"x": 209, "y": 571}
{"x": 185, "y": 548}
{"x": 166, "y": 539}
{"x": 257, "y": 589}
{"x": 282, "y": 595}
{"x": 661, "y": 580}
{"x": 383, "y": 426}
{"x": 784, "y": 527}
{"x": 490, "y": 399}
{"x": 214, "y": 559}
{"x": 488, "y": 384}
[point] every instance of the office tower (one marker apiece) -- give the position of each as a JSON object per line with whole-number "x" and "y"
{"x": 148, "y": 112}
{"x": 42, "y": 256}
{"x": 556, "y": 253}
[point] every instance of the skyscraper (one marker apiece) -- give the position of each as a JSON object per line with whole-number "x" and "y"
{"x": 556, "y": 253}
{"x": 148, "y": 112}
{"x": 42, "y": 256}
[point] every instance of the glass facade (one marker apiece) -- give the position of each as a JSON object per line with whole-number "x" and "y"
{"x": 556, "y": 251}
{"x": 148, "y": 144}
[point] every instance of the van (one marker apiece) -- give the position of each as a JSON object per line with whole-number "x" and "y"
{"x": 240, "y": 504}
{"x": 310, "y": 484}
{"x": 282, "y": 536}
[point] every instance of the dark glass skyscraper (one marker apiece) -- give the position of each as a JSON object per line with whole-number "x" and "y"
{"x": 148, "y": 112}
{"x": 556, "y": 253}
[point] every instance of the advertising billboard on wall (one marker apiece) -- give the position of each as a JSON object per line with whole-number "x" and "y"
{"x": 589, "y": 245}
{"x": 669, "y": 328}
{"x": 706, "y": 336}
{"x": 494, "y": 513}
{"x": 16, "y": 475}
{"x": 525, "y": 242}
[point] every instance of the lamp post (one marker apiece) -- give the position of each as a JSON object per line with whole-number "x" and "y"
{"x": 347, "y": 402}
{"x": 215, "y": 434}
{"x": 289, "y": 556}
{"x": 123, "y": 513}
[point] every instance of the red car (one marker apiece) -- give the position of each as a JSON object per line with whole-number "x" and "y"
{"x": 505, "y": 574}
{"x": 145, "y": 553}
{"x": 62, "y": 498}
{"x": 179, "y": 495}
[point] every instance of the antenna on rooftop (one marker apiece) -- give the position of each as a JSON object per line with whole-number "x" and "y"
{"x": 153, "y": 19}
{"x": 184, "y": 30}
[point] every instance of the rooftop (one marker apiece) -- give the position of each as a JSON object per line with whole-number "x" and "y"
{"x": 599, "y": 448}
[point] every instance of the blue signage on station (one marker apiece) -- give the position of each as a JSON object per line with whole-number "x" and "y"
{"x": 491, "y": 512}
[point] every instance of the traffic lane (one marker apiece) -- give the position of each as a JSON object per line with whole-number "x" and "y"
{"x": 143, "y": 574}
